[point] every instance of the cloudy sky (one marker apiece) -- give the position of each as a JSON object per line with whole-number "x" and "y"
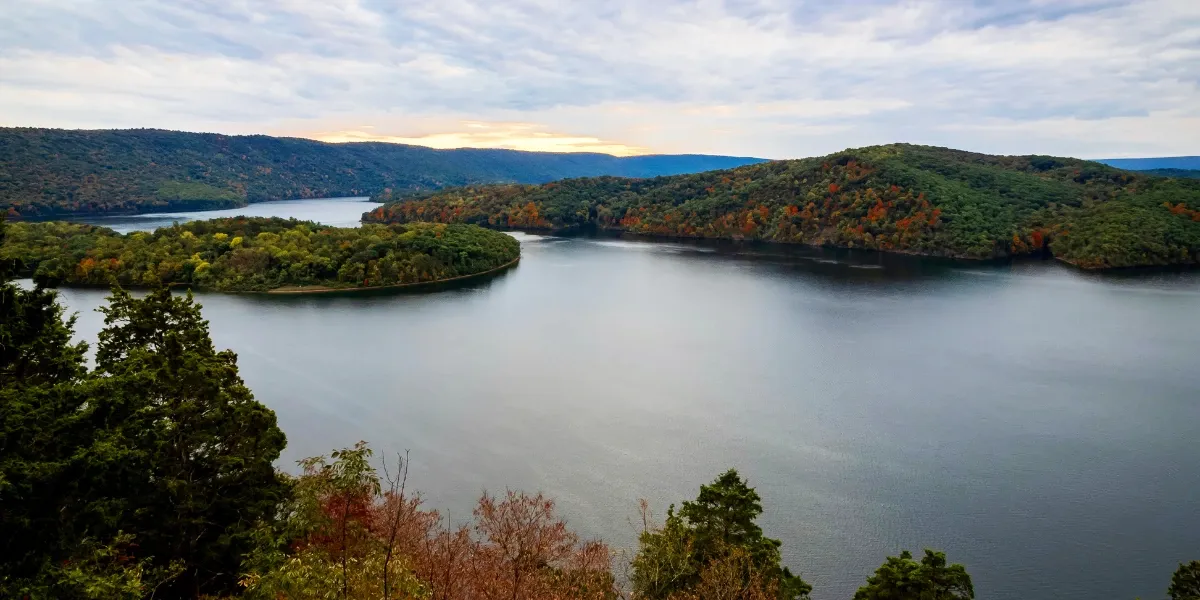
{"x": 770, "y": 78}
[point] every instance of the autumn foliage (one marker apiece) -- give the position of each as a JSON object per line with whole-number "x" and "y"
{"x": 348, "y": 531}
{"x": 732, "y": 576}
{"x": 897, "y": 198}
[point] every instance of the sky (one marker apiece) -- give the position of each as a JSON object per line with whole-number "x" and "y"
{"x": 765, "y": 78}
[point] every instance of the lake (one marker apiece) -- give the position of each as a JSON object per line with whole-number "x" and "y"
{"x": 1037, "y": 423}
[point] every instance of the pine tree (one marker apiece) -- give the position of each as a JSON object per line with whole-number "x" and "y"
{"x": 719, "y": 523}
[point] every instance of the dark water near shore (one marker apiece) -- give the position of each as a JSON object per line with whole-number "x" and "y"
{"x": 1038, "y": 424}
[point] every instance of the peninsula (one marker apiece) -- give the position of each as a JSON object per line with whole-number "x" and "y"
{"x": 243, "y": 254}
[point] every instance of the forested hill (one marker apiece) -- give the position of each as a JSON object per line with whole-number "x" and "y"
{"x": 45, "y": 172}
{"x": 900, "y": 198}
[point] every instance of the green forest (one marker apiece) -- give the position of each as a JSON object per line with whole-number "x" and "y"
{"x": 1189, "y": 173}
{"x": 241, "y": 254}
{"x": 148, "y": 473}
{"x": 895, "y": 198}
{"x": 48, "y": 172}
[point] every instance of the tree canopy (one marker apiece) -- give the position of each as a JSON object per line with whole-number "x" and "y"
{"x": 255, "y": 254}
{"x": 148, "y": 470}
{"x": 897, "y": 198}
{"x": 902, "y": 578}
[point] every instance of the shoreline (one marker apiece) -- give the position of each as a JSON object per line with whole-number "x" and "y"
{"x": 651, "y": 237}
{"x": 577, "y": 231}
{"x": 300, "y": 291}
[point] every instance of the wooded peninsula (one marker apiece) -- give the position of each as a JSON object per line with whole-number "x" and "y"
{"x": 896, "y": 198}
{"x": 243, "y": 254}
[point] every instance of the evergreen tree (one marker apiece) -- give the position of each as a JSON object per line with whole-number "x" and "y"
{"x": 38, "y": 366}
{"x": 196, "y": 450}
{"x": 902, "y": 578}
{"x": 707, "y": 531}
{"x": 153, "y": 468}
{"x": 1185, "y": 583}
{"x": 723, "y": 515}
{"x": 35, "y": 338}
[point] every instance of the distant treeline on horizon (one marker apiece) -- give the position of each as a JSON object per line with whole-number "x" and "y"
{"x": 50, "y": 172}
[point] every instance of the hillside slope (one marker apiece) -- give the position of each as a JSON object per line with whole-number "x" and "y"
{"x": 46, "y": 172}
{"x": 899, "y": 198}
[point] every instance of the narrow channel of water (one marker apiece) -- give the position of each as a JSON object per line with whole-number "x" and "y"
{"x": 339, "y": 212}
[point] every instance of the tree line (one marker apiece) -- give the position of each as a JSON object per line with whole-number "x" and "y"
{"x": 150, "y": 474}
{"x": 254, "y": 254}
{"x": 897, "y": 198}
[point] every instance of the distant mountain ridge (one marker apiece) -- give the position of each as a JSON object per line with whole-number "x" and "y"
{"x": 1186, "y": 163}
{"x": 49, "y": 172}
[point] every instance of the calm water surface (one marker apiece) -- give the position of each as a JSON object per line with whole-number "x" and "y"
{"x": 340, "y": 212}
{"x": 1038, "y": 424}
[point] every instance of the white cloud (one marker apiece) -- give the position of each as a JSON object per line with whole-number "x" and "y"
{"x": 774, "y": 78}
{"x": 514, "y": 136}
